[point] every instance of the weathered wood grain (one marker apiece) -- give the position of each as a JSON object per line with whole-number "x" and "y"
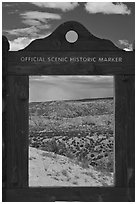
{"x": 85, "y": 194}
{"x": 17, "y": 131}
{"x": 124, "y": 131}
{"x": 18, "y": 67}
{"x": 5, "y": 48}
{"x": 56, "y": 41}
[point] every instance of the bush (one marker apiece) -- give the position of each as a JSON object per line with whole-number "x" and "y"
{"x": 106, "y": 163}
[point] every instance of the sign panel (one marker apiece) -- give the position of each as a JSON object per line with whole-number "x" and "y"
{"x": 82, "y": 59}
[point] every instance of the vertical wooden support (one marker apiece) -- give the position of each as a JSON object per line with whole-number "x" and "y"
{"x": 17, "y": 131}
{"x": 5, "y": 48}
{"x": 124, "y": 132}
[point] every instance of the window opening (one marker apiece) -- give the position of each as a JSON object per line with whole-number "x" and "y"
{"x": 71, "y": 131}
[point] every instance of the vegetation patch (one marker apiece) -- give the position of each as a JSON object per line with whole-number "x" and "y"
{"x": 80, "y": 130}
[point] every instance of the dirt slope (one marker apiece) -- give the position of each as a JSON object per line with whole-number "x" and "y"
{"x": 50, "y": 169}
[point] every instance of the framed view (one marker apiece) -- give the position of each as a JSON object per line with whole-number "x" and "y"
{"x": 71, "y": 130}
{"x": 68, "y": 128}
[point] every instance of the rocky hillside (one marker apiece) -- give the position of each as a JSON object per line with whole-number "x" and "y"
{"x": 80, "y": 130}
{"x": 71, "y": 108}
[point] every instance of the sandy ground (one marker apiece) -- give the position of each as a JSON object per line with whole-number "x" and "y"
{"x": 49, "y": 169}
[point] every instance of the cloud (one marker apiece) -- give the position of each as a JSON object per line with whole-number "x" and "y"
{"x": 13, "y": 12}
{"x": 64, "y": 6}
{"x": 36, "y": 20}
{"x": 97, "y": 81}
{"x": 37, "y": 24}
{"x": 69, "y": 87}
{"x": 85, "y": 80}
{"x": 31, "y": 22}
{"x": 107, "y": 8}
{"x": 126, "y": 45}
{"x": 19, "y": 43}
{"x": 24, "y": 32}
{"x": 39, "y": 19}
{"x": 9, "y": 4}
{"x": 126, "y": 49}
{"x": 40, "y": 16}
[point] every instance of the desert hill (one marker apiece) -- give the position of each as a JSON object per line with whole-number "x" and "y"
{"x": 72, "y": 108}
{"x": 81, "y": 130}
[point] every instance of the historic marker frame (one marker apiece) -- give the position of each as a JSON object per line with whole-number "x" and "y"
{"x": 53, "y": 55}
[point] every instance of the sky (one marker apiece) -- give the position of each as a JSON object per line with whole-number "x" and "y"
{"x": 23, "y": 22}
{"x": 48, "y": 88}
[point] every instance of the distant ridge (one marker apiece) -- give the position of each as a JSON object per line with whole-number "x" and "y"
{"x": 90, "y": 99}
{"x": 75, "y": 100}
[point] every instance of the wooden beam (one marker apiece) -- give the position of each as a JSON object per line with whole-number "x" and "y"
{"x": 69, "y": 63}
{"x": 17, "y": 131}
{"x": 125, "y": 131}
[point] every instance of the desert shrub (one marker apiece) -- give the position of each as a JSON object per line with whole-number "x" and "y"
{"x": 83, "y": 159}
{"x": 64, "y": 172}
{"x": 84, "y": 163}
{"x": 57, "y": 147}
{"x": 69, "y": 154}
{"x": 53, "y": 147}
{"x": 106, "y": 163}
{"x": 62, "y": 148}
{"x": 75, "y": 182}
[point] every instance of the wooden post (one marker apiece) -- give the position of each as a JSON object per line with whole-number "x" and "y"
{"x": 5, "y": 49}
{"x": 125, "y": 133}
{"x": 17, "y": 131}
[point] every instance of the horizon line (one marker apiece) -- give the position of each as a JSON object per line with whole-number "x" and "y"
{"x": 82, "y": 99}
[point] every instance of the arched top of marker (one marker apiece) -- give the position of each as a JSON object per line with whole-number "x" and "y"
{"x": 71, "y": 36}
